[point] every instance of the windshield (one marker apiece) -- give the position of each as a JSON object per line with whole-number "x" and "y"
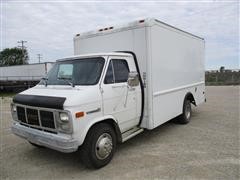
{"x": 76, "y": 72}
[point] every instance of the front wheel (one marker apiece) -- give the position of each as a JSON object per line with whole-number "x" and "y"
{"x": 187, "y": 113}
{"x": 99, "y": 146}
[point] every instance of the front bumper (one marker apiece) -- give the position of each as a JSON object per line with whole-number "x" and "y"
{"x": 52, "y": 141}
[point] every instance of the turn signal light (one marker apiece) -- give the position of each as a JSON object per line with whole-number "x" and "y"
{"x": 79, "y": 114}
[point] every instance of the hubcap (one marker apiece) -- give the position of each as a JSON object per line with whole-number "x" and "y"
{"x": 103, "y": 146}
{"x": 188, "y": 111}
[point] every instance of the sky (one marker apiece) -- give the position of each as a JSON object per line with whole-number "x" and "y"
{"x": 49, "y": 26}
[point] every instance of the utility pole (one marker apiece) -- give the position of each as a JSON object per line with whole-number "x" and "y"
{"x": 39, "y": 57}
{"x": 22, "y": 47}
{"x": 22, "y": 44}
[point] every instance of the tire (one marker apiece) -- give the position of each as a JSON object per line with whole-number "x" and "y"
{"x": 99, "y": 146}
{"x": 35, "y": 145}
{"x": 187, "y": 113}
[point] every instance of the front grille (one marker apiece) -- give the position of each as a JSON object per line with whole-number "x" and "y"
{"x": 30, "y": 117}
{"x": 21, "y": 114}
{"x": 47, "y": 119}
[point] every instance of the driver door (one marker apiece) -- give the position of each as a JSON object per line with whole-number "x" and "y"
{"x": 119, "y": 100}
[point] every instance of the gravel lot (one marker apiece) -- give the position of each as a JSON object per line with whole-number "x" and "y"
{"x": 206, "y": 148}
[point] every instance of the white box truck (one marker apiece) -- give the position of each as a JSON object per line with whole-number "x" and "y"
{"x": 121, "y": 81}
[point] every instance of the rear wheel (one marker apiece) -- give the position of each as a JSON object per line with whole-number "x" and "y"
{"x": 99, "y": 146}
{"x": 187, "y": 113}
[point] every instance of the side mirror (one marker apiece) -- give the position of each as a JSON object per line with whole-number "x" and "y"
{"x": 133, "y": 79}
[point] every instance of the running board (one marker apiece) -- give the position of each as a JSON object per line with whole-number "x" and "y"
{"x": 131, "y": 133}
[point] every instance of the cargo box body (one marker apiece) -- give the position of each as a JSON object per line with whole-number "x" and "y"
{"x": 171, "y": 63}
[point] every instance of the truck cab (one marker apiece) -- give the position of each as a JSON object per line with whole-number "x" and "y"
{"x": 95, "y": 96}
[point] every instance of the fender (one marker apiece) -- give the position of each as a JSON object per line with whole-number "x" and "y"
{"x": 109, "y": 119}
{"x": 190, "y": 97}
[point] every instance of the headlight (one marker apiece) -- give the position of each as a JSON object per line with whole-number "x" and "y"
{"x": 63, "y": 116}
{"x": 14, "y": 108}
{"x": 64, "y": 122}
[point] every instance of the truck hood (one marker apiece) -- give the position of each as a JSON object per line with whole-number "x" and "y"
{"x": 74, "y": 96}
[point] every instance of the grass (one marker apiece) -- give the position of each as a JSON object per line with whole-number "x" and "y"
{"x": 7, "y": 94}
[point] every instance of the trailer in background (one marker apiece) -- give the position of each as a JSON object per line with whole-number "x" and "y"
{"x": 20, "y": 77}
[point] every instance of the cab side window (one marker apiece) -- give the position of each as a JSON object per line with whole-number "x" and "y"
{"x": 117, "y": 71}
{"x": 121, "y": 70}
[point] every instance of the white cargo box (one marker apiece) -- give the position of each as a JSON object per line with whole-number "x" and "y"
{"x": 171, "y": 63}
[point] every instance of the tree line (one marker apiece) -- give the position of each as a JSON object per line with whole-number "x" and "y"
{"x": 222, "y": 77}
{"x": 13, "y": 56}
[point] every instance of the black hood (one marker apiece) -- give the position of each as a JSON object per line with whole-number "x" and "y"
{"x": 40, "y": 101}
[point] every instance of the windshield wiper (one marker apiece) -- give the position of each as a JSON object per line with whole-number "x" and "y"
{"x": 68, "y": 80}
{"x": 45, "y": 79}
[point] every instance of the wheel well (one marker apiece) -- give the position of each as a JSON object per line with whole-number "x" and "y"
{"x": 114, "y": 125}
{"x": 190, "y": 97}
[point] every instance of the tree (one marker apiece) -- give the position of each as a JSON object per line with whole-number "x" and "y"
{"x": 13, "y": 56}
{"x": 222, "y": 68}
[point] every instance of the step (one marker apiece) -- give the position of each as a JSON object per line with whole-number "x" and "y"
{"x": 131, "y": 133}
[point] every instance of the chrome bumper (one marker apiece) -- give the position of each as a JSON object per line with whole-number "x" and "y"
{"x": 52, "y": 141}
